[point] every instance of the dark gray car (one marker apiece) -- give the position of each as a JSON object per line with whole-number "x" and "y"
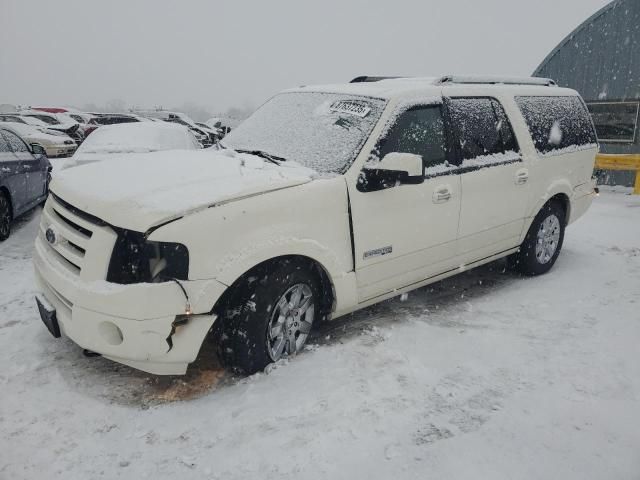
{"x": 24, "y": 178}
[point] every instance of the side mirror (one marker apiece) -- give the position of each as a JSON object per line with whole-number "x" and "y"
{"x": 393, "y": 170}
{"x": 38, "y": 149}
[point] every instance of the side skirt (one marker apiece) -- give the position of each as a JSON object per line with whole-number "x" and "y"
{"x": 427, "y": 281}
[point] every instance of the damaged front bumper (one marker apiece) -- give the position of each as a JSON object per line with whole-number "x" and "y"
{"x": 147, "y": 326}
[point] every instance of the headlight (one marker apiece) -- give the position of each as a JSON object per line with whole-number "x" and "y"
{"x": 137, "y": 260}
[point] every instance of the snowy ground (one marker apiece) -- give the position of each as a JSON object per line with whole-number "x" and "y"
{"x": 486, "y": 376}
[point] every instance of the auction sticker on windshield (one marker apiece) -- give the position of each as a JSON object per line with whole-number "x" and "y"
{"x": 359, "y": 109}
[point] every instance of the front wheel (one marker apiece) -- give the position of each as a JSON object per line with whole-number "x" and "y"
{"x": 543, "y": 242}
{"x": 5, "y": 217}
{"x": 269, "y": 316}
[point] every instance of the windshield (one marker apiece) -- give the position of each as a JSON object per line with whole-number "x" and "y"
{"x": 322, "y": 131}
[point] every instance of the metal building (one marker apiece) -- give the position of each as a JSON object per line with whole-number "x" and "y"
{"x": 601, "y": 59}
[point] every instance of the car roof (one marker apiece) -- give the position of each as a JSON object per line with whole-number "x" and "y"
{"x": 393, "y": 87}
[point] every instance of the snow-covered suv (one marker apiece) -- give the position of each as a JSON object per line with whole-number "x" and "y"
{"x": 326, "y": 200}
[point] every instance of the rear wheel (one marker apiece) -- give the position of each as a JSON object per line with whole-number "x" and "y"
{"x": 543, "y": 242}
{"x": 269, "y": 316}
{"x": 5, "y": 217}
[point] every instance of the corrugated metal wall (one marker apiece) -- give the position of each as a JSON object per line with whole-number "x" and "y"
{"x": 601, "y": 59}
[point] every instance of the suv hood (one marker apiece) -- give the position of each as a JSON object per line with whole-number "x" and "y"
{"x": 141, "y": 191}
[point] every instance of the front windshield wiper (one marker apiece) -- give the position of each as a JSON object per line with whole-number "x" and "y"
{"x": 267, "y": 156}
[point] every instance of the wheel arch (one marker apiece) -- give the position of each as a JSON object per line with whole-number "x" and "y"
{"x": 559, "y": 191}
{"x": 327, "y": 286}
{"x": 5, "y": 191}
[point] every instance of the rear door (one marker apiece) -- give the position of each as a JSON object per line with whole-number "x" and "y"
{"x": 11, "y": 174}
{"x": 407, "y": 233}
{"x": 493, "y": 176}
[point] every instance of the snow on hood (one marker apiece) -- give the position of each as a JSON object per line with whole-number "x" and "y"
{"x": 140, "y": 191}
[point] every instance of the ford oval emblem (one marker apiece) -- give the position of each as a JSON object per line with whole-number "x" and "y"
{"x": 50, "y": 235}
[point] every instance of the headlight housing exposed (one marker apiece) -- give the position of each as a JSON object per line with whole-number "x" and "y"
{"x": 137, "y": 260}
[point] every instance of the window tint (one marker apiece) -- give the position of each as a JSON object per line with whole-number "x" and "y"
{"x": 615, "y": 122}
{"x": 419, "y": 130}
{"x": 15, "y": 142}
{"x": 482, "y": 128}
{"x": 557, "y": 122}
{"x": 4, "y": 143}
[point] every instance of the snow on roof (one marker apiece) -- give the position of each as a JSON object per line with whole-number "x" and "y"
{"x": 382, "y": 89}
{"x": 394, "y": 87}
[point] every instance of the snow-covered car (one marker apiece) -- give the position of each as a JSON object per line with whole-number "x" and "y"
{"x": 326, "y": 200}
{"x": 58, "y": 121}
{"x": 24, "y": 177}
{"x": 181, "y": 119}
{"x": 213, "y": 133}
{"x": 115, "y": 118}
{"x": 112, "y": 141}
{"x": 55, "y": 144}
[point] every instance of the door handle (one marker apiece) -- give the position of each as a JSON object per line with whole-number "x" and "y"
{"x": 522, "y": 176}
{"x": 442, "y": 194}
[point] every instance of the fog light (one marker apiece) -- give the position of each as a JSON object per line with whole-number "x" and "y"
{"x": 111, "y": 333}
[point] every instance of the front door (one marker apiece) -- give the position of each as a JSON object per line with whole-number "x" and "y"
{"x": 407, "y": 233}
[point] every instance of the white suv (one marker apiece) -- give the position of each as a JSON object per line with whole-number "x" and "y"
{"x": 326, "y": 200}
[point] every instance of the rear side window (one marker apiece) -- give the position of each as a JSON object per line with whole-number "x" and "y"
{"x": 557, "y": 123}
{"x": 418, "y": 130}
{"x": 4, "y": 143}
{"x": 15, "y": 142}
{"x": 483, "y": 131}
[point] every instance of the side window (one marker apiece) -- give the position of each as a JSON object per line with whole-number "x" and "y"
{"x": 15, "y": 142}
{"x": 482, "y": 128}
{"x": 419, "y": 130}
{"x": 4, "y": 143}
{"x": 557, "y": 123}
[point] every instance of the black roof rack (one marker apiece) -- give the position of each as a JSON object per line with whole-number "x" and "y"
{"x": 494, "y": 80}
{"x": 471, "y": 79}
{"x": 366, "y": 78}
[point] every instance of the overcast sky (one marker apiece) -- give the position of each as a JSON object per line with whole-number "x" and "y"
{"x": 239, "y": 52}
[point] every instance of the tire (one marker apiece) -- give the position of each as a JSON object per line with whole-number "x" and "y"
{"x": 5, "y": 217}
{"x": 542, "y": 245}
{"x": 262, "y": 305}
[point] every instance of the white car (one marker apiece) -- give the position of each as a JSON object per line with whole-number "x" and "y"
{"x": 326, "y": 200}
{"x": 113, "y": 141}
{"x": 55, "y": 144}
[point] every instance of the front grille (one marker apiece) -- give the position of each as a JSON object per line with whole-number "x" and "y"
{"x": 71, "y": 234}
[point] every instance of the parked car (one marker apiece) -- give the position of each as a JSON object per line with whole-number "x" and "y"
{"x": 55, "y": 144}
{"x": 60, "y": 122}
{"x": 213, "y": 133}
{"x": 113, "y": 141}
{"x": 116, "y": 118}
{"x": 17, "y": 118}
{"x": 24, "y": 178}
{"x": 181, "y": 119}
{"x": 326, "y": 200}
{"x": 223, "y": 124}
